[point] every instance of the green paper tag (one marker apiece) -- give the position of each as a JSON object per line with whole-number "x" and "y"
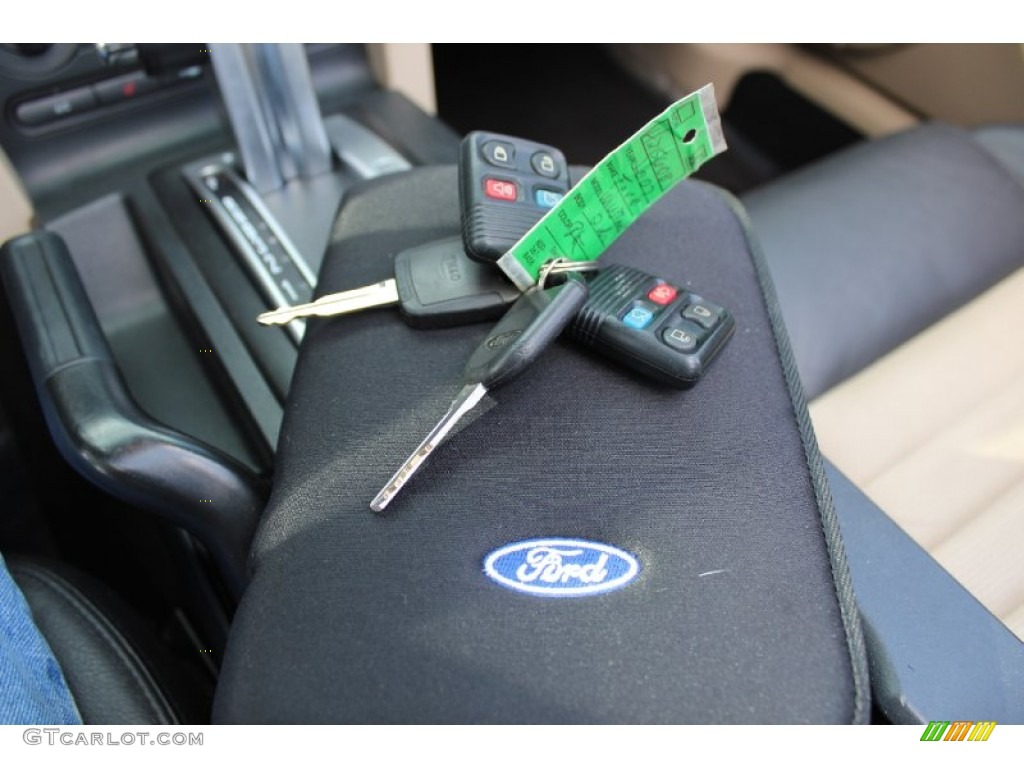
{"x": 621, "y": 187}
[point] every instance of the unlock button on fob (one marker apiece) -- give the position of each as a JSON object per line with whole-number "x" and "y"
{"x": 702, "y": 313}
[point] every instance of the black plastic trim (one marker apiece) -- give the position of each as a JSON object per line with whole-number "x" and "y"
{"x": 198, "y": 307}
{"x": 274, "y": 353}
{"x": 100, "y": 430}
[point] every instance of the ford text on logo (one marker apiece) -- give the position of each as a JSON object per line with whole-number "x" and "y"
{"x": 496, "y": 342}
{"x": 561, "y": 567}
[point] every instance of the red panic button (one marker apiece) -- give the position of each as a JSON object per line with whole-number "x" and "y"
{"x": 662, "y": 294}
{"x": 500, "y": 190}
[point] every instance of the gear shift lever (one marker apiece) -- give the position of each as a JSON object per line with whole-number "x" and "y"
{"x": 269, "y": 96}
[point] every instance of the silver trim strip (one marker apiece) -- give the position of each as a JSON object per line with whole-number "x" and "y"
{"x": 260, "y": 269}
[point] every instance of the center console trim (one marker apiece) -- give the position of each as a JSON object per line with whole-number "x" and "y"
{"x": 269, "y": 263}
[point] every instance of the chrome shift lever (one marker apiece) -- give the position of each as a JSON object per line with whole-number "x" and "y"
{"x": 268, "y": 92}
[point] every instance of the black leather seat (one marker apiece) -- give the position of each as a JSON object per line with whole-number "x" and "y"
{"x": 867, "y": 249}
{"x": 118, "y": 671}
{"x": 872, "y": 245}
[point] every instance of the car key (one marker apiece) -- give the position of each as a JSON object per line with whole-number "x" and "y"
{"x": 626, "y": 317}
{"x": 435, "y": 286}
{"x": 525, "y": 331}
{"x": 506, "y": 185}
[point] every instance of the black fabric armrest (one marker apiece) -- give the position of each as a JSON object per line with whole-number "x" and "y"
{"x": 740, "y": 610}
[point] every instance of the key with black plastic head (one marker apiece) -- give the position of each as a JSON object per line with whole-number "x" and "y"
{"x": 525, "y": 331}
{"x": 435, "y": 286}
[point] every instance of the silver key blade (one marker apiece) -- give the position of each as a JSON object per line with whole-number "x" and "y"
{"x": 467, "y": 398}
{"x": 382, "y": 294}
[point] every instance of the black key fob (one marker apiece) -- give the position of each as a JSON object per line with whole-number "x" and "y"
{"x": 659, "y": 330}
{"x": 525, "y": 332}
{"x": 506, "y": 185}
{"x": 439, "y": 287}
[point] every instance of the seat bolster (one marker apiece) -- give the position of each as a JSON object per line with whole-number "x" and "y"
{"x": 876, "y": 243}
{"x": 109, "y": 680}
{"x": 1006, "y": 144}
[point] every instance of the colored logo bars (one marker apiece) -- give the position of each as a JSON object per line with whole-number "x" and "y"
{"x": 959, "y": 730}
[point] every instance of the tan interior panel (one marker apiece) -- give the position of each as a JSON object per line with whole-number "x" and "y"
{"x": 679, "y": 68}
{"x": 995, "y": 579}
{"x": 407, "y": 68}
{"x": 934, "y": 433}
{"x": 15, "y": 208}
{"x": 969, "y": 84}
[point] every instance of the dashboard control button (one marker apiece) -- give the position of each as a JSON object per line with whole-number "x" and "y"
{"x": 51, "y": 108}
{"x": 118, "y": 89}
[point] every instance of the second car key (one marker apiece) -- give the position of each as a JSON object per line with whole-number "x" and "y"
{"x": 525, "y": 331}
{"x": 435, "y": 285}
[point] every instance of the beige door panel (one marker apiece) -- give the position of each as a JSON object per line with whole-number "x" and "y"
{"x": 15, "y": 209}
{"x": 407, "y": 68}
{"x": 963, "y": 83}
{"x": 679, "y": 68}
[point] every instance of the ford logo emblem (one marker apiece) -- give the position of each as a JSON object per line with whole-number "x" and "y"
{"x": 499, "y": 341}
{"x": 561, "y": 567}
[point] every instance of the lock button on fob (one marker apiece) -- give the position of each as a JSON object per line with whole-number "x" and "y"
{"x": 499, "y": 153}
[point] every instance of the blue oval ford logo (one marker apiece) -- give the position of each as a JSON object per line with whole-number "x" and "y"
{"x": 561, "y": 567}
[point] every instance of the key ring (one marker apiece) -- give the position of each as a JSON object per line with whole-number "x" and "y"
{"x": 562, "y": 265}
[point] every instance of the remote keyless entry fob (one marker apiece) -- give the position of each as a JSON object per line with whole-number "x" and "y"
{"x": 666, "y": 333}
{"x": 506, "y": 184}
